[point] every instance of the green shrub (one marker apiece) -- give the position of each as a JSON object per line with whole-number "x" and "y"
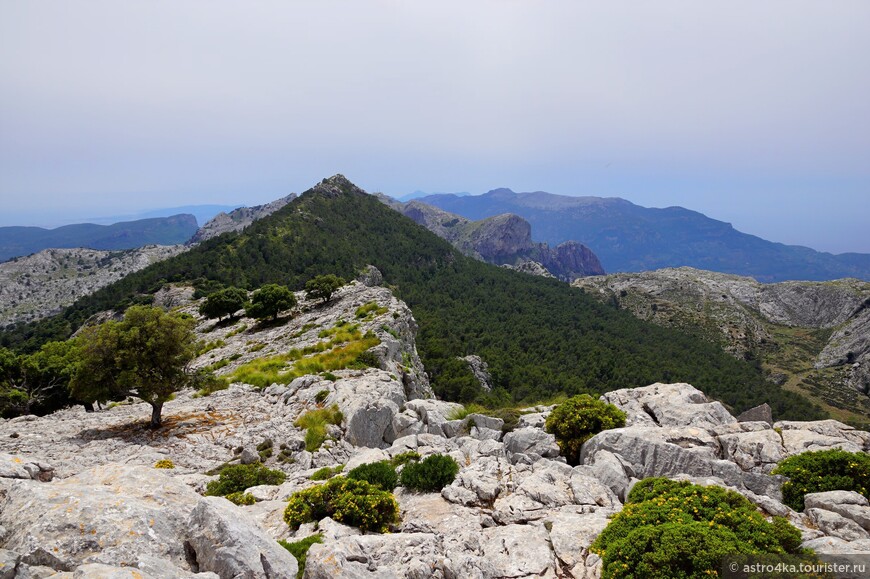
{"x": 370, "y": 310}
{"x": 351, "y": 502}
{"x": 236, "y": 478}
{"x": 404, "y": 457}
{"x": 165, "y": 463}
{"x": 381, "y": 474}
{"x": 241, "y": 498}
{"x": 463, "y": 411}
{"x": 299, "y": 549}
{"x": 431, "y": 474}
{"x": 327, "y": 472}
{"x": 578, "y": 419}
{"x": 314, "y": 422}
{"x": 824, "y": 470}
{"x": 677, "y": 529}
{"x": 321, "y": 396}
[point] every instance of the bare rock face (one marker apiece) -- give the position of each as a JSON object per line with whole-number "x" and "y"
{"x": 745, "y": 316}
{"x": 480, "y": 369}
{"x": 225, "y": 540}
{"x": 114, "y": 515}
{"x": 503, "y": 240}
{"x": 42, "y": 284}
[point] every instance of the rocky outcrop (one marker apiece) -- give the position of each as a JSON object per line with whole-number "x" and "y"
{"x": 756, "y": 320}
{"x": 227, "y": 541}
{"x": 42, "y": 284}
{"x": 480, "y": 369}
{"x": 238, "y": 219}
{"x": 503, "y": 240}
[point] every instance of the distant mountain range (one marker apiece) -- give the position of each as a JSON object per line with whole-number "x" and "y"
{"x": 630, "y": 238}
{"x": 18, "y": 241}
{"x": 504, "y": 240}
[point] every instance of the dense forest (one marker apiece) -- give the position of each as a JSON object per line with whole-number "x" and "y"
{"x": 539, "y": 336}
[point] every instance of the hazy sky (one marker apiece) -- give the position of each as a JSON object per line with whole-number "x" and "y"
{"x": 756, "y": 113}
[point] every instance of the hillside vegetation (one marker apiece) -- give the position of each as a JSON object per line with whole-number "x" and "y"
{"x": 540, "y": 337}
{"x": 811, "y": 337}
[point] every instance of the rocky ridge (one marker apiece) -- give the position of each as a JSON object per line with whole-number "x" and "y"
{"x": 238, "y": 219}
{"x": 44, "y": 283}
{"x": 756, "y": 320}
{"x": 503, "y": 240}
{"x": 79, "y": 494}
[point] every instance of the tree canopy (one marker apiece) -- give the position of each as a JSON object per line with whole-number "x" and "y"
{"x": 269, "y": 301}
{"x": 322, "y": 287}
{"x": 145, "y": 356}
{"x": 225, "y": 302}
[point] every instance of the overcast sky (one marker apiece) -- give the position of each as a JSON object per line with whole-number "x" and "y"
{"x": 756, "y": 113}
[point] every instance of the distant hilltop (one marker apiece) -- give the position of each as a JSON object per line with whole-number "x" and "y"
{"x": 19, "y": 241}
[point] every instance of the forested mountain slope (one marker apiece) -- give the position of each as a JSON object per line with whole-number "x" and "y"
{"x": 540, "y": 337}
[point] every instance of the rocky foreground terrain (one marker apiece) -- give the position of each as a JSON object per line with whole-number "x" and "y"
{"x": 44, "y": 283}
{"x": 80, "y": 497}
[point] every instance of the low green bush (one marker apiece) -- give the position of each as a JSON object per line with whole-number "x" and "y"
{"x": 165, "y": 463}
{"x": 299, "y": 549}
{"x": 348, "y": 501}
{"x": 677, "y": 529}
{"x": 823, "y": 470}
{"x": 431, "y": 474}
{"x": 241, "y": 498}
{"x": 327, "y": 472}
{"x": 578, "y": 419}
{"x": 236, "y": 478}
{"x": 381, "y": 474}
{"x": 404, "y": 457}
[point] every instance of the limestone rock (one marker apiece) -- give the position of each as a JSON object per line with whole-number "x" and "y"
{"x": 518, "y": 550}
{"x": 761, "y": 413}
{"x": 223, "y": 539}
{"x": 370, "y": 276}
{"x": 848, "y": 504}
{"x": 571, "y": 535}
{"x": 668, "y": 405}
{"x": 12, "y": 466}
{"x": 412, "y": 555}
{"x": 480, "y": 370}
{"x": 8, "y": 563}
{"x": 532, "y": 442}
{"x": 369, "y": 403}
{"x": 798, "y": 437}
{"x": 834, "y": 525}
{"x": 114, "y": 514}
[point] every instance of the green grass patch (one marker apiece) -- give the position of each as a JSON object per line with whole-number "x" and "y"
{"x": 370, "y": 310}
{"x": 464, "y": 411}
{"x": 327, "y": 472}
{"x": 315, "y": 421}
{"x": 299, "y": 549}
{"x": 321, "y": 357}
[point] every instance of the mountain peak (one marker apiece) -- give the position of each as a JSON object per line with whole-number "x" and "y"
{"x": 335, "y": 186}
